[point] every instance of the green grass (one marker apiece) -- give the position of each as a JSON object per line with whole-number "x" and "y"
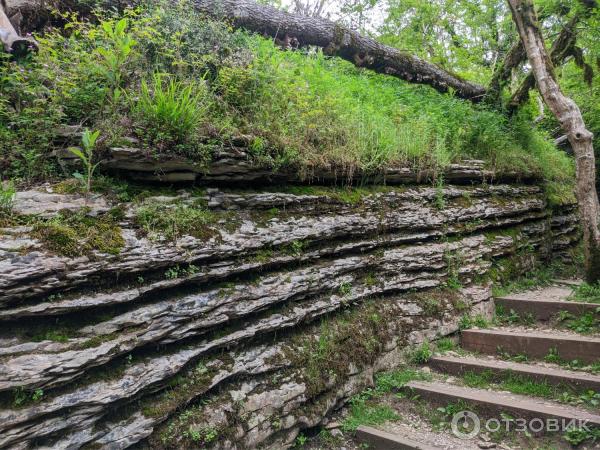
{"x": 511, "y": 317}
{"x": 367, "y": 407}
{"x": 585, "y": 323}
{"x": 523, "y": 385}
{"x": 296, "y": 109}
{"x": 445, "y": 345}
{"x": 364, "y": 411}
{"x": 468, "y": 321}
{"x": 168, "y": 111}
{"x": 586, "y": 293}
{"x": 175, "y": 220}
{"x": 397, "y": 379}
{"x": 421, "y": 354}
{"x": 538, "y": 277}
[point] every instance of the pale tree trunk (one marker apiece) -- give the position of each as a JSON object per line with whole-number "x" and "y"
{"x": 12, "y": 42}
{"x": 569, "y": 116}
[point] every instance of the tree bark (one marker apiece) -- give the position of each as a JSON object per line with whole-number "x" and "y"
{"x": 569, "y": 116}
{"x": 12, "y": 42}
{"x": 339, "y": 41}
{"x": 559, "y": 51}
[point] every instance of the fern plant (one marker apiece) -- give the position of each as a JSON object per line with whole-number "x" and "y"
{"x": 86, "y": 155}
{"x": 169, "y": 110}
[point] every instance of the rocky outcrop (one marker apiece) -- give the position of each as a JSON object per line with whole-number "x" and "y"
{"x": 233, "y": 164}
{"x": 207, "y": 337}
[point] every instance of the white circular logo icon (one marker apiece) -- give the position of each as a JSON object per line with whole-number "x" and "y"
{"x": 465, "y": 425}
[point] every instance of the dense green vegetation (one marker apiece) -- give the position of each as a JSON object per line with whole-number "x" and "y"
{"x": 185, "y": 84}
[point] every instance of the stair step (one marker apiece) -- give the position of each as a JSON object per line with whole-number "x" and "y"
{"x": 458, "y": 365}
{"x": 381, "y": 440}
{"x": 534, "y": 344}
{"x": 542, "y": 309}
{"x": 491, "y": 403}
{"x": 565, "y": 282}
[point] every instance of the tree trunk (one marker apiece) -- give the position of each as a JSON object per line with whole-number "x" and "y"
{"x": 569, "y": 116}
{"x": 339, "y": 41}
{"x": 11, "y": 41}
{"x": 561, "y": 48}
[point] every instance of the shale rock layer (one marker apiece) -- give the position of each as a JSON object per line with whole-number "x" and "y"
{"x": 252, "y": 326}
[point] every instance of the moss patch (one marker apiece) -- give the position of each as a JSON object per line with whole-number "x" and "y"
{"x": 76, "y": 234}
{"x": 173, "y": 220}
{"x": 326, "y": 358}
{"x": 180, "y": 391}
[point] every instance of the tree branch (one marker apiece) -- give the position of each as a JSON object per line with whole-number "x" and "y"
{"x": 340, "y": 41}
{"x": 559, "y": 51}
{"x": 513, "y": 58}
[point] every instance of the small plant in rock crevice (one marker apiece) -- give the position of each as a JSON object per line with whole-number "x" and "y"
{"x": 7, "y": 198}
{"x": 421, "y": 354}
{"x": 86, "y": 156}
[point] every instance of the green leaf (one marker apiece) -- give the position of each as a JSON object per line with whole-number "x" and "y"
{"x": 77, "y": 152}
{"x": 121, "y": 25}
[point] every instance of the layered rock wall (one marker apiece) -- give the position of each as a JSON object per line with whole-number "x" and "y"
{"x": 281, "y": 307}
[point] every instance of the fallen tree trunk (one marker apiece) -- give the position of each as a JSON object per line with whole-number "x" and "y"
{"x": 12, "y": 42}
{"x": 568, "y": 114}
{"x": 340, "y": 41}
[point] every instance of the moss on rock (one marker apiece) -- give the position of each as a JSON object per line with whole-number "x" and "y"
{"x": 76, "y": 234}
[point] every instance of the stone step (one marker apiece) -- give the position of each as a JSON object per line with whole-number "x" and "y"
{"x": 491, "y": 404}
{"x": 534, "y": 344}
{"x": 543, "y": 309}
{"x": 380, "y": 440}
{"x": 459, "y": 365}
{"x": 566, "y": 282}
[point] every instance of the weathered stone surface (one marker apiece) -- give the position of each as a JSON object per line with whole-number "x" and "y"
{"x": 226, "y": 340}
{"x": 47, "y": 204}
{"x": 235, "y": 165}
{"x": 35, "y": 273}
